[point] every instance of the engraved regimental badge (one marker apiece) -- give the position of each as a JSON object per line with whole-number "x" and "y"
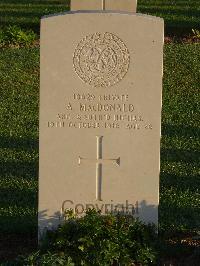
{"x": 101, "y": 59}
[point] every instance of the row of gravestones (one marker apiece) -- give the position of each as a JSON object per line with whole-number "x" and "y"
{"x": 100, "y": 111}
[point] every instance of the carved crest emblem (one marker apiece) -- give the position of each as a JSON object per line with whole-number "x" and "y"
{"x": 101, "y": 59}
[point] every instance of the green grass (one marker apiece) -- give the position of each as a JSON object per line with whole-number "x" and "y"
{"x": 18, "y": 139}
{"x": 180, "y": 152}
{"x": 180, "y": 15}
{"x": 27, "y": 13}
{"x": 19, "y": 97}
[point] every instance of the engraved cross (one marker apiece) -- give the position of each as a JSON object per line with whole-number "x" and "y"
{"x": 99, "y": 163}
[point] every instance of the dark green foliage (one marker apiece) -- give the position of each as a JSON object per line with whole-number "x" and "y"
{"x": 39, "y": 259}
{"x": 100, "y": 240}
{"x": 104, "y": 240}
{"x": 15, "y": 36}
{"x": 46, "y": 259}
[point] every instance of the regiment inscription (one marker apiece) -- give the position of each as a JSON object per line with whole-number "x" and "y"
{"x": 89, "y": 111}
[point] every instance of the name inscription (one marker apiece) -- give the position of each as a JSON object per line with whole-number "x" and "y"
{"x": 89, "y": 111}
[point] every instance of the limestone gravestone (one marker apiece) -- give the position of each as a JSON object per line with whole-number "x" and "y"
{"x": 100, "y": 114}
{"x": 122, "y": 5}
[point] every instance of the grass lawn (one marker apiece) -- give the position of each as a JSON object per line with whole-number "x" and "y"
{"x": 180, "y": 153}
{"x": 19, "y": 75}
{"x": 19, "y": 108}
{"x": 181, "y": 16}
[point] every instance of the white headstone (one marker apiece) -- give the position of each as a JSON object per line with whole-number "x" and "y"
{"x": 100, "y": 114}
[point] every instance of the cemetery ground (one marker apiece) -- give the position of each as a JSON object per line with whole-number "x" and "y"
{"x": 179, "y": 212}
{"x": 180, "y": 16}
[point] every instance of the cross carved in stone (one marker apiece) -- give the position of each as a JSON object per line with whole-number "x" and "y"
{"x": 99, "y": 164}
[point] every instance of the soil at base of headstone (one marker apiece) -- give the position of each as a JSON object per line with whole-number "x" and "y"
{"x": 13, "y": 245}
{"x": 182, "y": 40}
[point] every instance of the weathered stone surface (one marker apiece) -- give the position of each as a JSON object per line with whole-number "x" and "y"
{"x": 119, "y": 5}
{"x": 86, "y": 5}
{"x": 100, "y": 114}
{"x": 122, "y": 5}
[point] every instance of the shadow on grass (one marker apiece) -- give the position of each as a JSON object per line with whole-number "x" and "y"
{"x": 35, "y": 2}
{"x": 164, "y": 4}
{"x": 19, "y": 169}
{"x": 180, "y": 155}
{"x": 173, "y": 155}
{"x": 21, "y": 197}
{"x": 13, "y": 245}
{"x": 178, "y": 254}
{"x": 175, "y": 218}
{"x": 178, "y": 21}
{"x": 189, "y": 12}
{"x": 27, "y": 14}
{"x": 176, "y": 210}
{"x": 189, "y": 182}
{"x": 18, "y": 200}
{"x": 25, "y": 144}
{"x": 180, "y": 130}
{"x": 178, "y": 246}
{"x": 22, "y": 169}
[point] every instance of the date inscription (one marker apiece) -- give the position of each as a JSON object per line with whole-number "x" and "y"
{"x": 108, "y": 111}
